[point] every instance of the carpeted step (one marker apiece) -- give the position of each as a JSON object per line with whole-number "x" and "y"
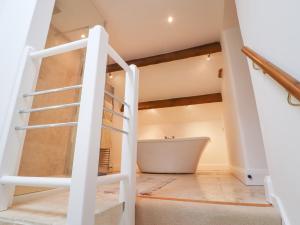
{"x": 164, "y": 212}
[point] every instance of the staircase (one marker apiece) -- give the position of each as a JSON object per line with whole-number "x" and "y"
{"x": 84, "y": 179}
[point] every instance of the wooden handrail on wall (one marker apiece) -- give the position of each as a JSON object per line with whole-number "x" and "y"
{"x": 284, "y": 79}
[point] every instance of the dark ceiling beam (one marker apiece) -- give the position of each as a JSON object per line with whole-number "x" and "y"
{"x": 171, "y": 56}
{"x": 192, "y": 100}
{"x": 173, "y": 102}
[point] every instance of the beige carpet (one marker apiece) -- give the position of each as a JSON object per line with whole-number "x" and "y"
{"x": 164, "y": 212}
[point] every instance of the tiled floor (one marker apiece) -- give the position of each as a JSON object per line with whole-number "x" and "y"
{"x": 201, "y": 186}
{"x": 209, "y": 187}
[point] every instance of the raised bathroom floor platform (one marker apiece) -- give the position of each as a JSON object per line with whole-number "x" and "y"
{"x": 206, "y": 199}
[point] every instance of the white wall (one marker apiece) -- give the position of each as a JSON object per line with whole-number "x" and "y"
{"x": 246, "y": 150}
{"x": 189, "y": 121}
{"x": 271, "y": 28}
{"x": 186, "y": 77}
{"x": 22, "y": 23}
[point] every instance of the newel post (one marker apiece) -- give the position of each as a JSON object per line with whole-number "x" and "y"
{"x": 82, "y": 198}
{"x": 129, "y": 147}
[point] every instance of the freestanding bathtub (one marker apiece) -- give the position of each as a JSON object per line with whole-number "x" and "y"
{"x": 179, "y": 155}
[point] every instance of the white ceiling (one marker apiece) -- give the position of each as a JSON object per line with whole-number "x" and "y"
{"x": 74, "y": 17}
{"x": 139, "y": 28}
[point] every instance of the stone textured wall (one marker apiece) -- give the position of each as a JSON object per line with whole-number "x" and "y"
{"x": 47, "y": 152}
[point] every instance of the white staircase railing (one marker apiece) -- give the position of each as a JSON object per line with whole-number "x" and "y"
{"x": 84, "y": 177}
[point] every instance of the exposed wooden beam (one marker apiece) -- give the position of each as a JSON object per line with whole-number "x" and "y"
{"x": 171, "y": 56}
{"x": 192, "y": 100}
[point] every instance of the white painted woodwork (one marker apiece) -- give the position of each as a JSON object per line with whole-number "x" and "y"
{"x": 56, "y": 181}
{"x": 71, "y": 46}
{"x": 115, "y": 56}
{"x": 112, "y": 178}
{"x": 28, "y": 28}
{"x": 13, "y": 140}
{"x": 23, "y": 23}
{"x": 36, "y": 181}
{"x": 85, "y": 164}
{"x": 129, "y": 147}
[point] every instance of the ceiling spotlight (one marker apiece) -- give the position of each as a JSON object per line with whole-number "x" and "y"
{"x": 110, "y": 76}
{"x": 208, "y": 57}
{"x": 82, "y": 36}
{"x": 170, "y": 19}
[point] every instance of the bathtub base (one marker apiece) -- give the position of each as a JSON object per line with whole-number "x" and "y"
{"x": 173, "y": 156}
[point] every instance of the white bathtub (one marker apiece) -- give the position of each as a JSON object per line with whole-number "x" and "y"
{"x": 180, "y": 155}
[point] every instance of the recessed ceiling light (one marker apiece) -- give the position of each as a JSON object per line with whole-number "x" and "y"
{"x": 82, "y": 36}
{"x": 170, "y": 19}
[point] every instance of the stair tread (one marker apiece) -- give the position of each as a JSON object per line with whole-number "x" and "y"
{"x": 166, "y": 212}
{"x": 50, "y": 208}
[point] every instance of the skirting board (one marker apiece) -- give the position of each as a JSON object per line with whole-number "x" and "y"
{"x": 213, "y": 167}
{"x": 250, "y": 176}
{"x": 275, "y": 200}
{"x": 201, "y": 167}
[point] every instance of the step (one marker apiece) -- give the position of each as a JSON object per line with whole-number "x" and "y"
{"x": 50, "y": 208}
{"x": 169, "y": 212}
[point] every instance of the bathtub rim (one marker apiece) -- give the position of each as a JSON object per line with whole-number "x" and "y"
{"x": 174, "y": 140}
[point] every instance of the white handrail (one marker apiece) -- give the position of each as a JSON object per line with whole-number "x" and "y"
{"x": 60, "y": 49}
{"x": 109, "y": 179}
{"x": 50, "y": 107}
{"x": 53, "y": 90}
{"x": 118, "y": 59}
{"x": 56, "y": 181}
{"x": 36, "y": 181}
